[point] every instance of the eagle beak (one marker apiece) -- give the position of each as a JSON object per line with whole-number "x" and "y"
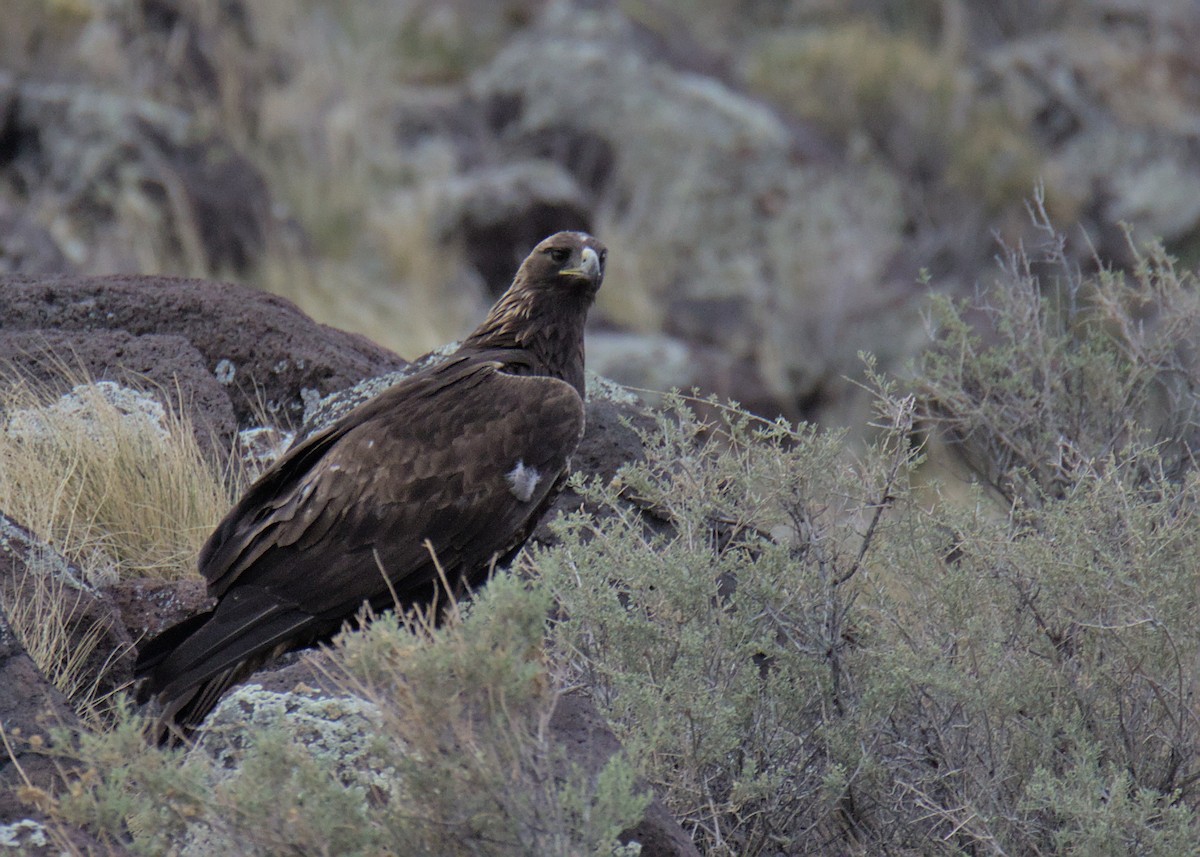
{"x": 589, "y": 266}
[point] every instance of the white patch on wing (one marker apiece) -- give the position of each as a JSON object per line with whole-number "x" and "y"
{"x": 523, "y": 480}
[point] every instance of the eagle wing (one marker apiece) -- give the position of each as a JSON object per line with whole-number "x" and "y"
{"x": 473, "y": 459}
{"x": 462, "y": 458}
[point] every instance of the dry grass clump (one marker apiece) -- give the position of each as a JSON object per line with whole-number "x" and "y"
{"x": 109, "y": 478}
{"x": 44, "y": 611}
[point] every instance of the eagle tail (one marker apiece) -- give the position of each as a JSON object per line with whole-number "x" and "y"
{"x": 190, "y": 665}
{"x": 155, "y": 651}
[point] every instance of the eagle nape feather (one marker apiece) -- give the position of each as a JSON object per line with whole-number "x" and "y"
{"x": 463, "y": 456}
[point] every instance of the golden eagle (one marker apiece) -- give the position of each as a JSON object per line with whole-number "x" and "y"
{"x": 457, "y": 462}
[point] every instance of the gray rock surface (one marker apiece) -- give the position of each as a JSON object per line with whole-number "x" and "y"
{"x": 138, "y": 182}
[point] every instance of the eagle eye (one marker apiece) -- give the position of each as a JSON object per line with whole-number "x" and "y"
{"x": 558, "y": 255}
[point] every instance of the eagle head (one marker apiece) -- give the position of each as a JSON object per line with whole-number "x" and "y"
{"x": 571, "y": 261}
{"x": 542, "y": 314}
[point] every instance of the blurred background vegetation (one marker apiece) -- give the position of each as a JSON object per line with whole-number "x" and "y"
{"x": 773, "y": 177}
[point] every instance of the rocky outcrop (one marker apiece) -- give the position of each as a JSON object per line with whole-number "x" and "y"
{"x": 129, "y": 182}
{"x": 262, "y": 352}
{"x": 771, "y": 183}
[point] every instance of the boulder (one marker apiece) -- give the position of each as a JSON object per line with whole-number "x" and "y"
{"x": 266, "y": 354}
{"x": 651, "y": 362}
{"x": 166, "y": 366}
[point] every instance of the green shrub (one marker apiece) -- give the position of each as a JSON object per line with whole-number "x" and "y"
{"x": 717, "y": 625}
{"x": 811, "y": 651}
{"x": 457, "y": 757}
{"x": 466, "y": 710}
{"x": 1070, "y": 374}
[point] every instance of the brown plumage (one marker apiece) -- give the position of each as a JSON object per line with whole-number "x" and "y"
{"x": 466, "y": 454}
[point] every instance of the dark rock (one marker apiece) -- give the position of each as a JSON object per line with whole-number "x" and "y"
{"x": 30, "y": 706}
{"x": 581, "y": 730}
{"x": 610, "y": 438}
{"x": 165, "y": 366}
{"x": 147, "y": 606}
{"x": 588, "y": 157}
{"x": 266, "y": 353}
